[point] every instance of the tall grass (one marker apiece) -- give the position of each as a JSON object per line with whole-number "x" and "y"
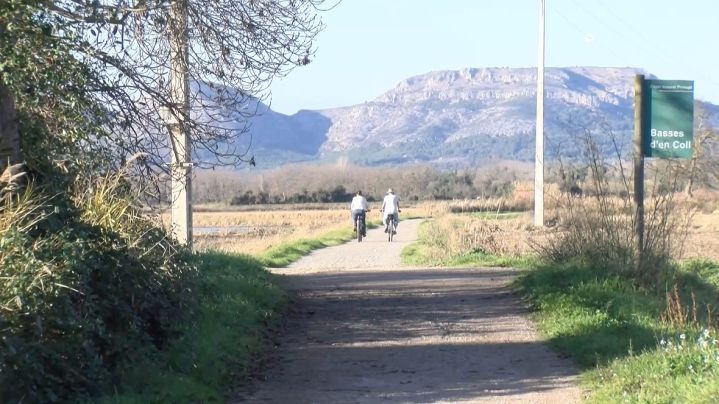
{"x": 88, "y": 286}
{"x": 600, "y": 228}
{"x": 641, "y": 324}
{"x": 488, "y": 239}
{"x": 519, "y": 200}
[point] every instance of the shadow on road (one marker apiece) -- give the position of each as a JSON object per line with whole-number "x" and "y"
{"x": 420, "y": 335}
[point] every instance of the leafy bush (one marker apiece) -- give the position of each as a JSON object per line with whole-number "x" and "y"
{"x": 83, "y": 292}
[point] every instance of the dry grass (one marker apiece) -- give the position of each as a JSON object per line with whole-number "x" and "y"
{"x": 451, "y": 235}
{"x": 256, "y": 231}
{"x": 517, "y": 236}
{"x": 703, "y": 238}
{"x": 264, "y": 227}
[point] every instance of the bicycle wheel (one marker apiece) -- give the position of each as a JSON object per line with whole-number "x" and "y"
{"x": 360, "y": 229}
{"x": 390, "y": 226}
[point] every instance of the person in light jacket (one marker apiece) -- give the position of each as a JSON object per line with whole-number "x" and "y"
{"x": 358, "y": 207}
{"x": 390, "y": 206}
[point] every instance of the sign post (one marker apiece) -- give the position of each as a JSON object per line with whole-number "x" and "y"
{"x": 639, "y": 166}
{"x": 663, "y": 128}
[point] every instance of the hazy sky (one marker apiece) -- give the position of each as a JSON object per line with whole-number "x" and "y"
{"x": 368, "y": 46}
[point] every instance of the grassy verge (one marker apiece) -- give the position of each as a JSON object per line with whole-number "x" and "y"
{"x": 415, "y": 254}
{"x": 287, "y": 253}
{"x": 426, "y": 252}
{"x": 619, "y": 331}
{"x": 636, "y": 342}
{"x": 236, "y": 302}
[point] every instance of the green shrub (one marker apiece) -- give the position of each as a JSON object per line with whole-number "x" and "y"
{"x": 80, "y": 299}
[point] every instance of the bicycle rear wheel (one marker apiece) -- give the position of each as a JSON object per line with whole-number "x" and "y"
{"x": 390, "y": 227}
{"x": 360, "y": 229}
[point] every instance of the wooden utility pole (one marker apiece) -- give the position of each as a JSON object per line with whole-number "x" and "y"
{"x": 639, "y": 166}
{"x": 539, "y": 138}
{"x": 181, "y": 167}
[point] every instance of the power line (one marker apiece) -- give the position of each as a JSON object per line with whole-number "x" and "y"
{"x": 645, "y": 44}
{"x": 581, "y": 31}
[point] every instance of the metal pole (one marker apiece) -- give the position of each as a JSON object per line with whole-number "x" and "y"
{"x": 180, "y": 140}
{"x": 639, "y": 166}
{"x": 539, "y": 138}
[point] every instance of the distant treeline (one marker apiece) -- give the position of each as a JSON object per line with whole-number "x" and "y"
{"x": 338, "y": 194}
{"x": 338, "y": 183}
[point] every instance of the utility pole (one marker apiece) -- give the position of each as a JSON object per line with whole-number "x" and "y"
{"x": 175, "y": 116}
{"x": 639, "y": 166}
{"x": 539, "y": 138}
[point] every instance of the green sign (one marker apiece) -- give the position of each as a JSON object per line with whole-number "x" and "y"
{"x": 668, "y": 118}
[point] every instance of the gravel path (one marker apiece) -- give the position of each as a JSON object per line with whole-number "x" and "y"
{"x": 364, "y": 329}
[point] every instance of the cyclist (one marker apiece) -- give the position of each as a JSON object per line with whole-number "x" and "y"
{"x": 390, "y": 206}
{"x": 359, "y": 207}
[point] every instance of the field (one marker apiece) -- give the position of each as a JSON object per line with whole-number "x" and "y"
{"x": 255, "y": 229}
{"x": 703, "y": 238}
{"x": 608, "y": 324}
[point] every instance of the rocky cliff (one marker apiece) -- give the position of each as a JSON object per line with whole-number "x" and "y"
{"x": 459, "y": 117}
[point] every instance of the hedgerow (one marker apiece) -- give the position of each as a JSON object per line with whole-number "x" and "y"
{"x": 86, "y": 289}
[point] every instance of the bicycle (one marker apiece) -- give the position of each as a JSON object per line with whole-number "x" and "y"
{"x": 360, "y": 226}
{"x": 391, "y": 226}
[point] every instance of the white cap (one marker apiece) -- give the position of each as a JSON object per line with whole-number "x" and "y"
{"x": 389, "y": 191}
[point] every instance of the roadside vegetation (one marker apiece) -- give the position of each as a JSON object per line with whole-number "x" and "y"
{"x": 291, "y": 251}
{"x": 486, "y": 232}
{"x": 235, "y": 303}
{"x": 638, "y": 342}
{"x": 463, "y": 240}
{"x": 640, "y": 321}
{"x": 98, "y": 302}
{"x": 638, "y": 338}
{"x": 97, "y": 299}
{"x": 641, "y": 318}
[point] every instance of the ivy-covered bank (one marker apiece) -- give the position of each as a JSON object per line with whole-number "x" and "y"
{"x": 97, "y": 301}
{"x": 236, "y": 303}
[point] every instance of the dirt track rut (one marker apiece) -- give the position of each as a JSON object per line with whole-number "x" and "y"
{"x": 364, "y": 329}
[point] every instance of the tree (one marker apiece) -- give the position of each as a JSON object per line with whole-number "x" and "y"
{"x": 45, "y": 93}
{"x": 120, "y": 56}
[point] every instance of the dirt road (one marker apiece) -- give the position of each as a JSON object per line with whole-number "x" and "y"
{"x": 364, "y": 329}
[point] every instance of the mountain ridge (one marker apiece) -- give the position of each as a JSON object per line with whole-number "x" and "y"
{"x": 456, "y": 117}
